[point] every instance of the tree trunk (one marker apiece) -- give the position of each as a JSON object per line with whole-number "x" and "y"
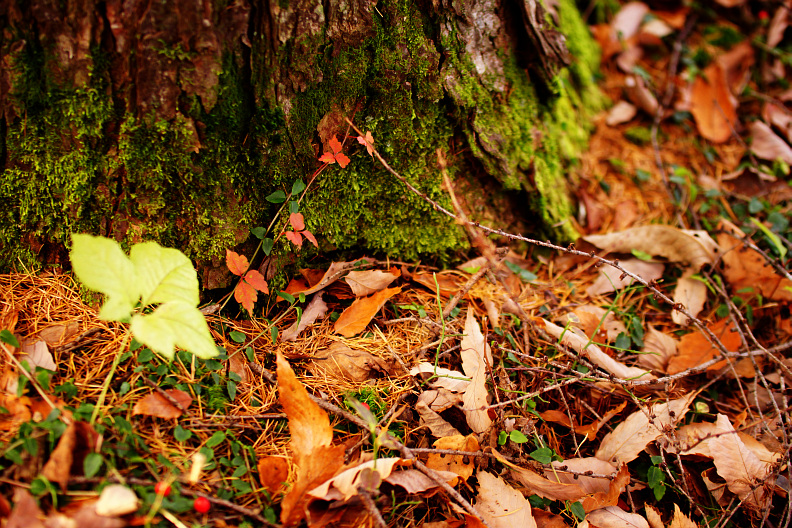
{"x": 174, "y": 120}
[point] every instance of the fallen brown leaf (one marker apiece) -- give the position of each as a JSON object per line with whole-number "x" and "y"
{"x": 712, "y": 104}
{"x": 694, "y": 348}
{"x": 500, "y": 505}
{"x": 273, "y": 473}
{"x": 767, "y": 145}
{"x": 371, "y": 281}
{"x": 657, "y": 350}
{"x": 155, "y": 404}
{"x": 615, "y": 517}
{"x": 26, "y": 513}
{"x": 690, "y": 293}
{"x": 357, "y": 316}
{"x": 457, "y": 464}
{"x": 316, "y": 309}
{"x": 338, "y": 361}
{"x": 67, "y": 458}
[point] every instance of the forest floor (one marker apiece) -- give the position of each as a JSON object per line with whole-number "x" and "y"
{"x": 636, "y": 379}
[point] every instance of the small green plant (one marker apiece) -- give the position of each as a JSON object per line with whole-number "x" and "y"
{"x": 154, "y": 290}
{"x": 655, "y": 478}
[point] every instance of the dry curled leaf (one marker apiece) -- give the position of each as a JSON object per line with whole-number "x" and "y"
{"x": 712, "y": 104}
{"x": 354, "y": 319}
{"x": 370, "y": 281}
{"x": 155, "y": 404}
{"x": 316, "y": 309}
{"x": 615, "y": 517}
{"x": 611, "y": 279}
{"x": 344, "y": 486}
{"x": 339, "y": 361}
{"x": 460, "y": 465}
{"x": 500, "y": 505}
{"x": 690, "y": 293}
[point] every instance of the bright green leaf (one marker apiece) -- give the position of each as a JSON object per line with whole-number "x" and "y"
{"x": 577, "y": 510}
{"x": 543, "y": 455}
{"x": 164, "y": 274}
{"x": 7, "y": 337}
{"x": 92, "y": 464}
{"x": 174, "y": 324}
{"x": 517, "y": 437}
{"x": 297, "y": 187}
{"x": 782, "y": 251}
{"x": 277, "y": 197}
{"x": 102, "y": 266}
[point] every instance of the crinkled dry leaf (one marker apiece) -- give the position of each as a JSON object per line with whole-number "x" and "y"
{"x": 548, "y": 489}
{"x": 475, "y": 401}
{"x": 344, "y": 486}
{"x": 311, "y": 437}
{"x": 367, "y": 282}
{"x": 357, "y": 316}
{"x": 681, "y": 520}
{"x": 436, "y": 423}
{"x": 653, "y": 516}
{"x": 597, "y": 323}
{"x": 610, "y": 279}
{"x": 779, "y": 117}
{"x": 26, "y": 513}
{"x": 316, "y": 309}
{"x": 500, "y": 505}
{"x": 694, "y": 248}
{"x": 448, "y": 282}
{"x": 582, "y": 345}
{"x": 692, "y": 294}
{"x": 636, "y": 91}
{"x": 57, "y": 333}
{"x": 451, "y": 380}
{"x": 657, "y": 350}
{"x": 37, "y": 354}
{"x": 767, "y": 145}
{"x": 744, "y": 473}
{"x": 475, "y": 351}
{"x": 694, "y": 439}
{"x": 273, "y": 473}
{"x": 155, "y": 404}
{"x": 75, "y": 443}
{"x": 611, "y": 496}
{"x": 116, "y": 500}
{"x": 338, "y": 361}
{"x": 615, "y": 517}
{"x": 712, "y": 104}
{"x": 694, "y": 348}
{"x": 457, "y": 464}
{"x": 415, "y": 481}
{"x": 590, "y": 485}
{"x": 590, "y": 430}
{"x": 631, "y": 437}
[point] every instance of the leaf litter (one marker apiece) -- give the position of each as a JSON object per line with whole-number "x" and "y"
{"x": 564, "y": 391}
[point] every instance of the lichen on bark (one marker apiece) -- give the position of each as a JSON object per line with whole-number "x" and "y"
{"x": 158, "y": 121}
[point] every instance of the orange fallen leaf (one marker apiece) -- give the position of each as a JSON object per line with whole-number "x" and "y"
{"x": 75, "y": 443}
{"x": 354, "y": 319}
{"x": 273, "y": 473}
{"x": 155, "y": 404}
{"x": 458, "y": 464}
{"x": 694, "y": 348}
{"x": 712, "y": 105}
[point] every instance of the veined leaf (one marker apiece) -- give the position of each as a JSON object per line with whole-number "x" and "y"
{"x": 164, "y": 274}
{"x": 101, "y": 265}
{"x": 174, "y": 324}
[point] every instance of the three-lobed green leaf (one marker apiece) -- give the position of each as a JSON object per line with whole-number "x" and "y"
{"x": 151, "y": 275}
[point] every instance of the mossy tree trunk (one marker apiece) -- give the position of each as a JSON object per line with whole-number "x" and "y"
{"x": 173, "y": 120}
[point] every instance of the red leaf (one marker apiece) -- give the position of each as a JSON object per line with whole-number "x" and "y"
{"x": 256, "y": 279}
{"x": 297, "y": 221}
{"x": 342, "y": 160}
{"x": 368, "y": 141}
{"x": 154, "y": 404}
{"x": 294, "y": 237}
{"x": 236, "y": 263}
{"x": 307, "y": 234}
{"x": 327, "y": 157}
{"x": 245, "y": 294}
{"x": 335, "y": 145}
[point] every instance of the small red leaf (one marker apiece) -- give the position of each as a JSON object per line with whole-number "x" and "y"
{"x": 297, "y": 221}
{"x": 342, "y": 159}
{"x": 236, "y": 263}
{"x": 327, "y": 157}
{"x": 294, "y": 238}
{"x": 245, "y": 294}
{"x": 309, "y": 236}
{"x": 257, "y": 280}
{"x": 368, "y": 141}
{"x": 335, "y": 145}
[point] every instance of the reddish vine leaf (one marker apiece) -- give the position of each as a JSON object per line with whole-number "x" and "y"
{"x": 368, "y": 141}
{"x": 307, "y": 234}
{"x": 297, "y": 221}
{"x": 247, "y": 290}
{"x": 237, "y": 263}
{"x": 336, "y": 155}
{"x": 294, "y": 237}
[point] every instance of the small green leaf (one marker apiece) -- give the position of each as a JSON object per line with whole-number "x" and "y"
{"x": 525, "y": 275}
{"x": 286, "y": 296}
{"x": 102, "y": 266}
{"x": 259, "y": 232}
{"x": 237, "y": 337}
{"x": 164, "y": 274}
{"x": 623, "y": 342}
{"x": 503, "y": 437}
{"x": 543, "y": 455}
{"x": 174, "y": 324}
{"x": 297, "y": 187}
{"x": 782, "y": 251}
{"x": 294, "y": 207}
{"x": 577, "y": 510}
{"x": 92, "y": 464}
{"x": 181, "y": 434}
{"x": 277, "y": 197}
{"x": 274, "y": 334}
{"x": 642, "y": 255}
{"x": 7, "y": 337}
{"x": 266, "y": 245}
{"x": 518, "y": 437}
{"x": 216, "y": 439}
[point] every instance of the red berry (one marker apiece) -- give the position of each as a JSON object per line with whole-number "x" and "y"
{"x": 366, "y": 405}
{"x": 162, "y": 488}
{"x": 763, "y": 15}
{"x": 202, "y": 505}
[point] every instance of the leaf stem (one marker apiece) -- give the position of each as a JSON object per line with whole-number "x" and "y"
{"x": 106, "y": 384}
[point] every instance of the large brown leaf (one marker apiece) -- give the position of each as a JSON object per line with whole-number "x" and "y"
{"x": 500, "y": 505}
{"x": 713, "y": 106}
{"x": 354, "y": 319}
{"x": 155, "y": 404}
{"x": 694, "y": 348}
{"x": 311, "y": 438}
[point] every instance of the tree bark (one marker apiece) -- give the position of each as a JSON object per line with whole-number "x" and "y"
{"x": 142, "y": 119}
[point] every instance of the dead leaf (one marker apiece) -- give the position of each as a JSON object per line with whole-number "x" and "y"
{"x": 333, "y": 273}
{"x": 712, "y": 104}
{"x": 311, "y": 438}
{"x": 436, "y": 423}
{"x": 367, "y": 282}
{"x": 475, "y": 400}
{"x": 745, "y": 268}
{"x": 460, "y": 465}
{"x": 451, "y": 380}
{"x": 475, "y": 351}
{"x": 338, "y": 361}
{"x": 548, "y": 489}
{"x": 694, "y": 248}
{"x": 582, "y": 345}
{"x": 778, "y": 26}
{"x": 316, "y": 309}
{"x": 681, "y": 520}
{"x": 116, "y": 500}
{"x": 440, "y": 399}
{"x": 26, "y": 513}
{"x": 628, "y": 20}
{"x": 590, "y": 430}
{"x": 610, "y": 497}
{"x": 597, "y": 323}
{"x": 621, "y": 112}
{"x": 744, "y": 473}
{"x": 357, "y": 316}
{"x": 500, "y": 505}
{"x": 57, "y": 333}
{"x": 767, "y": 145}
{"x": 637, "y": 92}
{"x": 273, "y": 473}
{"x": 344, "y": 486}
{"x": 590, "y": 485}
{"x": 615, "y": 517}
{"x": 610, "y": 279}
{"x": 67, "y": 458}
{"x": 657, "y": 350}
{"x": 780, "y": 117}
{"x": 690, "y": 293}
{"x": 694, "y": 348}
{"x": 653, "y": 516}
{"x": 155, "y": 404}
{"x": 415, "y": 481}
{"x": 448, "y": 282}
{"x": 37, "y": 354}
{"x": 694, "y": 439}
{"x": 631, "y": 437}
